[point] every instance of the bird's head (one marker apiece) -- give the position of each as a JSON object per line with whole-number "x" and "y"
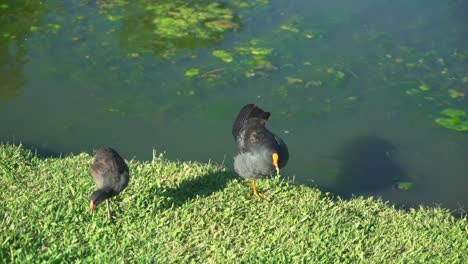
{"x": 96, "y": 198}
{"x": 275, "y": 158}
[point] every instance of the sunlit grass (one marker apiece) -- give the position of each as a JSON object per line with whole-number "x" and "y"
{"x": 192, "y": 212}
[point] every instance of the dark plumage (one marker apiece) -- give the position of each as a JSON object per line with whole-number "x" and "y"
{"x": 110, "y": 173}
{"x": 260, "y": 151}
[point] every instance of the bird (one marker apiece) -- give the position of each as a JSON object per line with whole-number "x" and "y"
{"x": 261, "y": 152}
{"x": 110, "y": 173}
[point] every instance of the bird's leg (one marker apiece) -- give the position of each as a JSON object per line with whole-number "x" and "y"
{"x": 255, "y": 193}
{"x": 108, "y": 210}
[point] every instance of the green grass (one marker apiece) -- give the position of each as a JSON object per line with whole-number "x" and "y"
{"x": 191, "y": 212}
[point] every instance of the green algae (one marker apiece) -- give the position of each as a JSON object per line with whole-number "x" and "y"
{"x": 405, "y": 186}
{"x": 454, "y": 119}
{"x": 424, "y": 87}
{"x": 223, "y": 55}
{"x": 192, "y": 72}
{"x": 454, "y": 113}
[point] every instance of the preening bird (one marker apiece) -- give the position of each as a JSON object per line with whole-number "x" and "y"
{"x": 260, "y": 151}
{"x": 110, "y": 173}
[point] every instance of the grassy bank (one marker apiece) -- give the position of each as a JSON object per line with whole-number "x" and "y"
{"x": 175, "y": 211}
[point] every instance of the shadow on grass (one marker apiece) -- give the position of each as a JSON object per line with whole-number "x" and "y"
{"x": 201, "y": 186}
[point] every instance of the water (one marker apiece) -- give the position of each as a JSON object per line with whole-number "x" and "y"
{"x": 346, "y": 83}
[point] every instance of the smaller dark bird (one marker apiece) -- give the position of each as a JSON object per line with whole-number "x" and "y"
{"x": 260, "y": 151}
{"x": 110, "y": 173}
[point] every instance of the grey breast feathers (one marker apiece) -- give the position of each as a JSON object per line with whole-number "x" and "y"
{"x": 253, "y": 165}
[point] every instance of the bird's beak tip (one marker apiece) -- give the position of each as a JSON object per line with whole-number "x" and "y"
{"x": 92, "y": 206}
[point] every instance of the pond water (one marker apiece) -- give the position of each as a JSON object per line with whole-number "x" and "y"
{"x": 359, "y": 90}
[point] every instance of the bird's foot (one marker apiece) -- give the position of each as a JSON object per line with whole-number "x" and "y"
{"x": 258, "y": 195}
{"x": 255, "y": 193}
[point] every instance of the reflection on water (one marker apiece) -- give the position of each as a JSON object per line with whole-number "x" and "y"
{"x": 13, "y": 78}
{"x": 77, "y": 75}
{"x": 16, "y": 20}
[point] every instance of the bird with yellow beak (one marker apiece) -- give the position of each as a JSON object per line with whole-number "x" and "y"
{"x": 261, "y": 152}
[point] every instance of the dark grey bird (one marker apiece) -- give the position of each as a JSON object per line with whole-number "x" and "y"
{"x": 260, "y": 151}
{"x": 110, "y": 173}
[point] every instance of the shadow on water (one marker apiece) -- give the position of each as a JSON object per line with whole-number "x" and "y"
{"x": 45, "y": 152}
{"x": 201, "y": 186}
{"x": 42, "y": 152}
{"x": 366, "y": 166}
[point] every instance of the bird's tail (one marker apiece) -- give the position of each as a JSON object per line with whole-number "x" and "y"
{"x": 247, "y": 112}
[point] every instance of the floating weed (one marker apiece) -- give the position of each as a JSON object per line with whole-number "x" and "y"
{"x": 412, "y": 91}
{"x": 289, "y": 28}
{"x": 175, "y": 20}
{"x": 114, "y": 18}
{"x": 452, "y": 112}
{"x": 221, "y": 25}
{"x": 399, "y": 60}
{"x": 223, "y": 55}
{"x": 134, "y": 55}
{"x": 260, "y": 51}
{"x": 404, "y": 186}
{"x": 292, "y": 80}
{"x": 453, "y": 123}
{"x": 424, "y": 87}
{"x": 453, "y": 120}
{"x": 264, "y": 65}
{"x": 313, "y": 84}
{"x": 262, "y": 2}
{"x": 242, "y": 50}
{"x": 296, "y": 24}
{"x": 50, "y": 27}
{"x": 455, "y": 94}
{"x": 340, "y": 74}
{"x": 173, "y": 26}
{"x": 192, "y": 72}
{"x": 240, "y": 4}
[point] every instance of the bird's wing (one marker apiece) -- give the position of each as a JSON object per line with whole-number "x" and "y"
{"x": 102, "y": 171}
{"x": 247, "y": 112}
{"x": 283, "y": 151}
{"x": 253, "y": 135}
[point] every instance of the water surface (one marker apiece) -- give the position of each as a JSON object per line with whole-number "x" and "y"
{"x": 354, "y": 87}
